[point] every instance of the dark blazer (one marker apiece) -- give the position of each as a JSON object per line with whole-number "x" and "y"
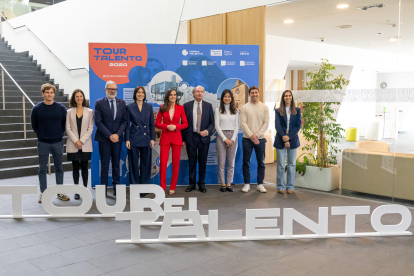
{"x": 164, "y": 119}
{"x": 207, "y": 121}
{"x": 294, "y": 126}
{"x": 105, "y": 124}
{"x": 140, "y": 128}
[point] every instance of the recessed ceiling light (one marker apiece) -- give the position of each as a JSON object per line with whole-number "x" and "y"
{"x": 288, "y": 21}
{"x": 395, "y": 38}
{"x": 378, "y": 33}
{"x": 344, "y": 26}
{"x": 342, "y": 6}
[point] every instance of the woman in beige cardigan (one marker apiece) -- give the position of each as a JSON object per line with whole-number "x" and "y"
{"x": 79, "y": 127}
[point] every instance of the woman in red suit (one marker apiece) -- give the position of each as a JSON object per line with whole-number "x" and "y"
{"x": 168, "y": 120}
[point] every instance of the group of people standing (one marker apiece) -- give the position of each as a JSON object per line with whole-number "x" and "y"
{"x": 190, "y": 125}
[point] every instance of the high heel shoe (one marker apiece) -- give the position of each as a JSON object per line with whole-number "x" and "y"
{"x": 171, "y": 192}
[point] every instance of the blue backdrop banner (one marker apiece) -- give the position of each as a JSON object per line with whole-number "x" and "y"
{"x": 159, "y": 67}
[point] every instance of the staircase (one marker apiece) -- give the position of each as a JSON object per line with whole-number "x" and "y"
{"x": 18, "y": 156}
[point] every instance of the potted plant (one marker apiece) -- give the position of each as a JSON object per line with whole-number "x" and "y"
{"x": 320, "y": 171}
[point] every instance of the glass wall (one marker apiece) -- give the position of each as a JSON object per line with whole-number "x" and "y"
{"x": 350, "y": 66}
{"x": 12, "y": 8}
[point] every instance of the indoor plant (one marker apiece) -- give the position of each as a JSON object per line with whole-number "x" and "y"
{"x": 321, "y": 130}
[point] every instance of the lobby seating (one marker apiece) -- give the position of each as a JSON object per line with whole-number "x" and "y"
{"x": 372, "y": 146}
{"x": 378, "y": 173}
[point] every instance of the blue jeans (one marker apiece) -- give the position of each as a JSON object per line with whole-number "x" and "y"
{"x": 43, "y": 150}
{"x": 259, "y": 149}
{"x": 291, "y": 168}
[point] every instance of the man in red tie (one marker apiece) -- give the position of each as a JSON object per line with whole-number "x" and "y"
{"x": 196, "y": 137}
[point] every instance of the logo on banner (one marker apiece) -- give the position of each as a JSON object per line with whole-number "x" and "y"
{"x": 228, "y": 53}
{"x": 184, "y": 86}
{"x": 117, "y": 58}
{"x": 223, "y": 63}
{"x": 216, "y": 53}
{"x": 184, "y": 52}
{"x": 244, "y": 53}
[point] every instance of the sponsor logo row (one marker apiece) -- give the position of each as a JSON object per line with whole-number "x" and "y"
{"x": 213, "y": 53}
{"x": 222, "y": 63}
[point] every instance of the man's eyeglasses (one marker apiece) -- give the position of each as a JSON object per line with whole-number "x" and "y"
{"x": 112, "y": 89}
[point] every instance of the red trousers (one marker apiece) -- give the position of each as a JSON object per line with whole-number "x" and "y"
{"x": 164, "y": 155}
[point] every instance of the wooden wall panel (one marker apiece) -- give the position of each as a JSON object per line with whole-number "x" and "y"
{"x": 245, "y": 27}
{"x": 301, "y": 79}
{"x": 207, "y": 30}
{"x": 248, "y": 27}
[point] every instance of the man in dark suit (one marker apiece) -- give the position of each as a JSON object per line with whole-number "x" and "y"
{"x": 196, "y": 137}
{"x": 111, "y": 121}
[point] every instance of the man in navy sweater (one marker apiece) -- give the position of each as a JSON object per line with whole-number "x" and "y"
{"x": 49, "y": 123}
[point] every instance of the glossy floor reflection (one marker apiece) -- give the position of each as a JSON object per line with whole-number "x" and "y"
{"x": 74, "y": 246}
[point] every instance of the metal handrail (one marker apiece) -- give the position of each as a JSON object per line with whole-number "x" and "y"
{"x": 14, "y": 28}
{"x": 18, "y": 86}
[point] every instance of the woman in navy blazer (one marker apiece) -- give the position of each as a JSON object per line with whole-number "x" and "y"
{"x": 140, "y": 138}
{"x": 288, "y": 121}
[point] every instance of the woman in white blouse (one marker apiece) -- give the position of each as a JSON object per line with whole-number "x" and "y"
{"x": 226, "y": 119}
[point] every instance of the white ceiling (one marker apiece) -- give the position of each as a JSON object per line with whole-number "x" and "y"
{"x": 315, "y": 19}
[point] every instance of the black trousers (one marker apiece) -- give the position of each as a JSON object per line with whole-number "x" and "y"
{"x": 197, "y": 151}
{"x": 259, "y": 149}
{"x": 110, "y": 152}
{"x": 83, "y": 165}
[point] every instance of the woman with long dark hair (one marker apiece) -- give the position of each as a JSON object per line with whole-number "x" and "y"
{"x": 140, "y": 137}
{"x": 226, "y": 120}
{"x": 79, "y": 127}
{"x": 288, "y": 121}
{"x": 168, "y": 120}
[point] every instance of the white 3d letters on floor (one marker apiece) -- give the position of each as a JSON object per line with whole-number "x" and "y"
{"x": 180, "y": 225}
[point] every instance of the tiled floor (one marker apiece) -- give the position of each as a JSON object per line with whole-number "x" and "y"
{"x": 74, "y": 246}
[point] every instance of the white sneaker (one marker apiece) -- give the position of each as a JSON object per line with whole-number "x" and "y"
{"x": 261, "y": 189}
{"x": 246, "y": 188}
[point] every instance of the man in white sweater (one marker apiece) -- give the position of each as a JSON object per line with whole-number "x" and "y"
{"x": 254, "y": 119}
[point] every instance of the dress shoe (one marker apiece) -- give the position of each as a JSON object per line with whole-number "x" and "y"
{"x": 281, "y": 192}
{"x": 246, "y": 188}
{"x": 202, "y": 189}
{"x": 223, "y": 189}
{"x": 229, "y": 189}
{"x": 77, "y": 197}
{"x": 290, "y": 191}
{"x": 114, "y": 194}
{"x": 190, "y": 188}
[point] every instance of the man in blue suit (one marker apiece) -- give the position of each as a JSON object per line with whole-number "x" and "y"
{"x": 111, "y": 121}
{"x": 196, "y": 137}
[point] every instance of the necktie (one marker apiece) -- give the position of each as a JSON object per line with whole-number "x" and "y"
{"x": 112, "y": 109}
{"x": 198, "y": 118}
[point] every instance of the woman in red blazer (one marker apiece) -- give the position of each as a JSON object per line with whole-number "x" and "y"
{"x": 168, "y": 120}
